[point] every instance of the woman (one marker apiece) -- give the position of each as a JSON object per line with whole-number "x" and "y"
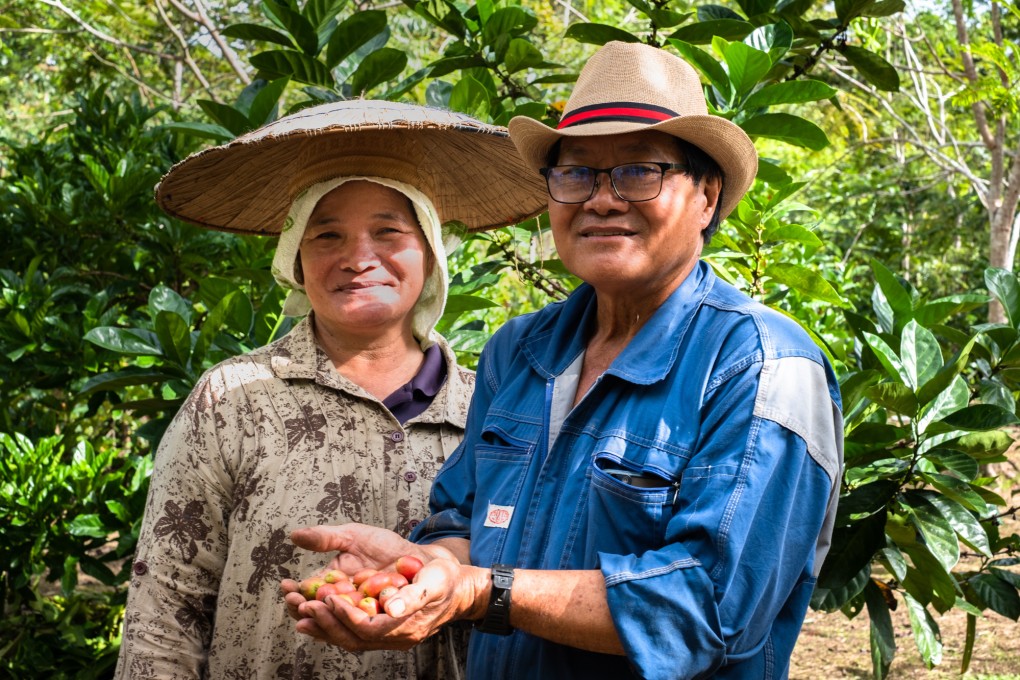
{"x": 348, "y": 417}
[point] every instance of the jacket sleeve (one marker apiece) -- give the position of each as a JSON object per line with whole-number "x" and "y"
{"x": 740, "y": 547}
{"x": 182, "y": 546}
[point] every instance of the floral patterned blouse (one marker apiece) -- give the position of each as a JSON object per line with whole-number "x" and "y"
{"x": 268, "y": 442}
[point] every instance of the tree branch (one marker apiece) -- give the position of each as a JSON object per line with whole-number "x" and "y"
{"x": 187, "y": 54}
{"x": 971, "y": 72}
{"x": 105, "y": 37}
{"x": 201, "y": 17}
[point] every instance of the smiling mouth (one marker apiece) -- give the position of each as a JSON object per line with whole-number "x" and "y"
{"x": 356, "y": 286}
{"x": 603, "y": 233}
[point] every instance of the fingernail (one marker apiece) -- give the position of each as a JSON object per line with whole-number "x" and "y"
{"x": 396, "y": 607}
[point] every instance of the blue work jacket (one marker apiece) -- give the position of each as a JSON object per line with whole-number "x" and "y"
{"x": 727, "y": 417}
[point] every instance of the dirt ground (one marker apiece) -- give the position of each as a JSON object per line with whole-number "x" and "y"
{"x": 832, "y": 646}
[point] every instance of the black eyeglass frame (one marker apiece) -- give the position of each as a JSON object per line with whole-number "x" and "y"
{"x": 663, "y": 167}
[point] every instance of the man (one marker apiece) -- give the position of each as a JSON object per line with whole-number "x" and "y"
{"x": 650, "y": 469}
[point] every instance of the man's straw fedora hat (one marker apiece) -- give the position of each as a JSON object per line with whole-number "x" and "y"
{"x": 469, "y": 170}
{"x": 629, "y": 87}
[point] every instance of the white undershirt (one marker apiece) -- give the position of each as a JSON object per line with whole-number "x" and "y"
{"x": 564, "y": 392}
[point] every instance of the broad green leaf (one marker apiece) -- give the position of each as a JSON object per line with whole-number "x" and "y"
{"x": 164, "y": 299}
{"x": 265, "y": 102}
{"x": 945, "y": 376}
{"x": 920, "y": 353}
{"x": 895, "y": 397}
{"x": 352, "y": 33}
{"x": 998, "y": 595}
{"x": 887, "y": 357}
{"x": 959, "y": 463}
{"x": 459, "y": 304}
{"x": 947, "y": 402}
{"x": 883, "y": 640}
{"x": 787, "y": 128}
{"x": 851, "y": 550}
{"x": 864, "y": 501}
{"x": 775, "y": 39}
{"x": 927, "y": 580}
{"x": 851, "y": 9}
{"x": 951, "y": 507}
{"x": 87, "y": 525}
{"x": 789, "y": 92}
{"x": 125, "y": 341}
{"x": 320, "y": 12}
{"x": 983, "y": 445}
{"x": 304, "y": 34}
{"x": 937, "y": 311}
{"x": 444, "y": 14}
{"x": 521, "y": 54}
{"x": 772, "y": 173}
{"x": 598, "y": 34}
{"x": 828, "y": 600}
{"x": 980, "y": 417}
{"x": 174, "y": 337}
{"x": 667, "y": 18}
{"x": 256, "y": 32}
{"x": 755, "y": 7}
{"x": 233, "y": 310}
{"x": 709, "y": 67}
{"x": 378, "y": 67}
{"x": 132, "y": 375}
{"x": 507, "y": 21}
{"x": 471, "y": 97}
{"x": 896, "y": 295}
{"x": 792, "y": 232}
{"x": 227, "y": 116}
{"x": 1004, "y": 286}
{"x": 873, "y": 67}
{"x": 885, "y": 8}
{"x": 926, "y": 632}
{"x": 217, "y": 133}
{"x": 710, "y": 12}
{"x": 702, "y": 32}
{"x": 746, "y": 66}
{"x": 940, "y": 539}
{"x": 994, "y": 392}
{"x": 805, "y": 281}
{"x": 295, "y": 65}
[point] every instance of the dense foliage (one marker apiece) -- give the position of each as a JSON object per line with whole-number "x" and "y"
{"x": 110, "y": 310}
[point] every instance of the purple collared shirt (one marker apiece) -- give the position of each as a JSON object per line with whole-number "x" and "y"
{"x": 414, "y": 397}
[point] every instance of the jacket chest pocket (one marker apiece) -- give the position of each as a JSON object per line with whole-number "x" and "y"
{"x": 631, "y": 500}
{"x": 502, "y": 458}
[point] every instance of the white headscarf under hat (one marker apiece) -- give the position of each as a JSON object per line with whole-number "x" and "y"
{"x": 429, "y": 307}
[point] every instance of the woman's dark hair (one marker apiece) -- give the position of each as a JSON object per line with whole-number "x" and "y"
{"x": 699, "y": 166}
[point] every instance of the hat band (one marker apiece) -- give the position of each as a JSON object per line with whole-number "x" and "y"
{"x": 632, "y": 112}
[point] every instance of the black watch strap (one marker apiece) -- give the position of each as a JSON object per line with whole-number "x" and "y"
{"x": 497, "y": 616}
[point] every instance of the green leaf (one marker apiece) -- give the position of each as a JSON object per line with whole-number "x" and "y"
{"x": 304, "y": 34}
{"x": 926, "y": 632}
{"x": 747, "y": 66}
{"x": 320, "y": 12}
{"x": 887, "y": 357}
{"x": 174, "y": 336}
{"x": 851, "y": 9}
{"x": 1004, "y": 286}
{"x": 940, "y": 539}
{"x": 775, "y": 39}
{"x": 873, "y": 67}
{"x": 443, "y": 14}
{"x": 999, "y": 596}
{"x": 264, "y": 105}
{"x": 956, "y": 462}
{"x": 789, "y": 92}
{"x": 931, "y": 313}
{"x": 667, "y": 18}
{"x": 796, "y": 233}
{"x": 165, "y": 299}
{"x": 520, "y": 55}
{"x": 831, "y": 600}
{"x": 471, "y": 97}
{"x": 883, "y": 640}
{"x": 703, "y": 32}
{"x": 920, "y": 354}
{"x": 966, "y": 526}
{"x": 772, "y": 173}
{"x": 132, "y": 375}
{"x": 945, "y": 376}
{"x": 256, "y": 32}
{"x": 805, "y": 281}
{"x": 753, "y": 8}
{"x": 885, "y": 8}
{"x": 787, "y": 128}
{"x": 980, "y": 417}
{"x": 598, "y": 34}
{"x": 851, "y": 550}
{"x": 706, "y": 63}
{"x": 896, "y": 295}
{"x": 352, "y": 33}
{"x": 895, "y": 397}
{"x": 865, "y": 500}
{"x": 89, "y": 525}
{"x": 507, "y": 21}
{"x": 382, "y": 65}
{"x": 983, "y": 445}
{"x": 295, "y": 65}
{"x": 217, "y": 133}
{"x": 125, "y": 341}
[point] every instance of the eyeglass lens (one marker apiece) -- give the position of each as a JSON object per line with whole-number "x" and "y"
{"x": 632, "y": 182}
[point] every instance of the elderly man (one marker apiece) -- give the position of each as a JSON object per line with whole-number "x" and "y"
{"x": 650, "y": 469}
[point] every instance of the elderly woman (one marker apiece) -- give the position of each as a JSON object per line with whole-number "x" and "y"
{"x": 648, "y": 479}
{"x": 345, "y": 419}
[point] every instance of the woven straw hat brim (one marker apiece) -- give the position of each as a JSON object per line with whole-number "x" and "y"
{"x": 726, "y": 143}
{"x": 470, "y": 170}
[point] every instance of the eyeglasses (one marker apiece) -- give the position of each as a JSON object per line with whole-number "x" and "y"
{"x": 632, "y": 182}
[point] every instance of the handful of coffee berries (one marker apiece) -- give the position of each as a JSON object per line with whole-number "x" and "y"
{"x": 369, "y": 589}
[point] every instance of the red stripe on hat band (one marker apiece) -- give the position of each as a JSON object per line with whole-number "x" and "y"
{"x": 617, "y": 113}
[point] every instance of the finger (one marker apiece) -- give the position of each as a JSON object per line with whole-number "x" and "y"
{"x": 289, "y": 585}
{"x": 294, "y": 602}
{"x": 321, "y": 538}
{"x": 311, "y": 628}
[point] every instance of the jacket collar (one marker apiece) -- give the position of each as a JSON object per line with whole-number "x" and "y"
{"x": 297, "y": 356}
{"x": 551, "y": 346}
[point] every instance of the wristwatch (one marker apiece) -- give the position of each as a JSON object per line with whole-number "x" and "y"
{"x": 497, "y": 616}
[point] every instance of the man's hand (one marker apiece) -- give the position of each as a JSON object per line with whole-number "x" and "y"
{"x": 443, "y": 591}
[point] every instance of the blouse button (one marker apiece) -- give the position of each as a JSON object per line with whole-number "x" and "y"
{"x": 413, "y": 523}
{"x": 410, "y": 477}
{"x": 397, "y": 436}
{"x": 140, "y": 568}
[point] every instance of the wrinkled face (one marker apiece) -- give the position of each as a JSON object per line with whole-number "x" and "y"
{"x": 363, "y": 258}
{"x": 632, "y": 249}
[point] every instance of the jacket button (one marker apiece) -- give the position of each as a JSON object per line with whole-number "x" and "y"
{"x": 397, "y": 436}
{"x": 413, "y": 523}
{"x": 140, "y": 568}
{"x": 410, "y": 477}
